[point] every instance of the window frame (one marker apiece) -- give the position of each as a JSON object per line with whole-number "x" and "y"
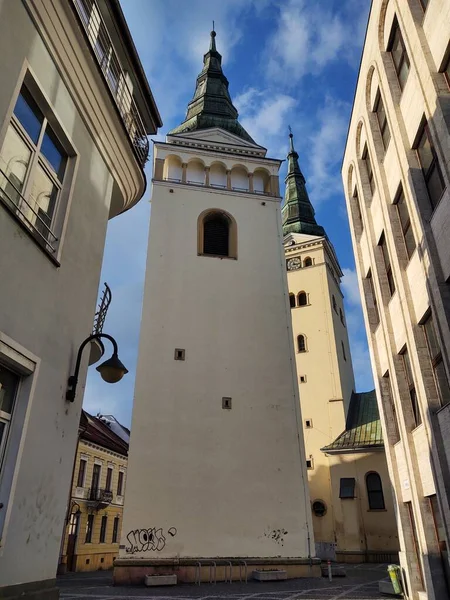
{"x": 304, "y": 296}
{"x": 436, "y": 359}
{"x": 369, "y": 278}
{"x": 357, "y": 205}
{"x": 404, "y": 58}
{"x": 387, "y": 264}
{"x": 424, "y": 130}
{"x": 308, "y": 262}
{"x": 301, "y": 337}
{"x": 405, "y": 226}
{"x": 103, "y": 529}
{"x": 292, "y": 300}
{"x": 52, "y": 244}
{"x": 409, "y": 378}
{"x": 120, "y": 482}
{"x": 115, "y": 531}
{"x": 232, "y": 234}
{"x": 383, "y": 126}
{"x": 369, "y": 169}
{"x": 81, "y": 478}
{"x": 89, "y": 528}
{"x": 370, "y": 492}
{"x": 109, "y": 478}
{"x": 349, "y": 484}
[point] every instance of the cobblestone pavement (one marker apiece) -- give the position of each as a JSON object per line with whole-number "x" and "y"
{"x": 361, "y": 583}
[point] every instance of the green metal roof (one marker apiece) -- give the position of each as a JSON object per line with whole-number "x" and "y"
{"x": 363, "y": 426}
{"x": 297, "y": 212}
{"x": 211, "y": 105}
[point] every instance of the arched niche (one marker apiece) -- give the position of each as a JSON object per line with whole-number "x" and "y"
{"x": 218, "y": 175}
{"x": 239, "y": 178}
{"x": 172, "y": 168}
{"x": 195, "y": 172}
{"x": 261, "y": 181}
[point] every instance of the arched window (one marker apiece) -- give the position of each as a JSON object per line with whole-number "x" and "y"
{"x": 301, "y": 343}
{"x": 292, "y": 300}
{"x": 302, "y": 299}
{"x": 334, "y": 303}
{"x": 217, "y": 234}
{"x": 341, "y": 314}
{"x": 307, "y": 262}
{"x": 374, "y": 491}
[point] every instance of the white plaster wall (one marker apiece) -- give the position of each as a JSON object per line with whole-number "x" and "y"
{"x": 417, "y": 282}
{"x": 395, "y": 311}
{"x": 48, "y": 311}
{"x": 436, "y": 26}
{"x": 225, "y": 479}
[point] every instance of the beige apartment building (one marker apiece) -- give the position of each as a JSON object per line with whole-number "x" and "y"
{"x": 396, "y": 172}
{"x": 351, "y": 495}
{"x": 75, "y": 113}
{"x": 94, "y": 515}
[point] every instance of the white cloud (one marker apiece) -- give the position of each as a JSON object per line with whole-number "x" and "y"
{"x": 309, "y": 36}
{"x": 350, "y": 286}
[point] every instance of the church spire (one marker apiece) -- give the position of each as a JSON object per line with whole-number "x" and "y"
{"x": 211, "y": 105}
{"x": 297, "y": 212}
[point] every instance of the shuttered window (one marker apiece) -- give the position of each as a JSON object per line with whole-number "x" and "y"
{"x": 216, "y": 232}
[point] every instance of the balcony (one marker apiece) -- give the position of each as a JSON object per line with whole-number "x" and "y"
{"x": 115, "y": 78}
{"x": 99, "y": 498}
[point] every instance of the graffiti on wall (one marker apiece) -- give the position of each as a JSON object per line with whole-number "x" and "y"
{"x": 148, "y": 540}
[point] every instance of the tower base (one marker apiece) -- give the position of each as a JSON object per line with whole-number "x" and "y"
{"x": 132, "y": 571}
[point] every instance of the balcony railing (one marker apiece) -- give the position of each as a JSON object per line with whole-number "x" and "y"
{"x": 11, "y": 196}
{"x": 99, "y": 495}
{"x": 100, "y": 315}
{"x": 97, "y": 34}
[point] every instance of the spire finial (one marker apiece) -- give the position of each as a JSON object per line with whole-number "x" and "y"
{"x": 291, "y": 140}
{"x": 212, "y": 45}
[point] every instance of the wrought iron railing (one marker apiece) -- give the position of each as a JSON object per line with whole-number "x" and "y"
{"x": 103, "y": 49}
{"x": 100, "y": 315}
{"x": 99, "y": 495}
{"x": 12, "y": 197}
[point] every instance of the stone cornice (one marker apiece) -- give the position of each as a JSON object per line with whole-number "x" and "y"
{"x": 102, "y": 449}
{"x": 63, "y": 37}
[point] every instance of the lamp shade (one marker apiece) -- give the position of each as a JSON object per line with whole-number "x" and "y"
{"x": 112, "y": 370}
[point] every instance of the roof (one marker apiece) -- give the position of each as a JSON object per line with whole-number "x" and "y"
{"x": 96, "y": 431}
{"x": 298, "y": 212}
{"x": 211, "y": 105}
{"x": 363, "y": 426}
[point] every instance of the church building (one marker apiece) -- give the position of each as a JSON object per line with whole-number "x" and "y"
{"x": 217, "y": 472}
{"x": 349, "y": 485}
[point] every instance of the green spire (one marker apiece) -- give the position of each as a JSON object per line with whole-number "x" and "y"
{"x": 297, "y": 213}
{"x": 211, "y": 105}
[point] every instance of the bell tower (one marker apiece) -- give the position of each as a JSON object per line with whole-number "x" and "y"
{"x": 217, "y": 467}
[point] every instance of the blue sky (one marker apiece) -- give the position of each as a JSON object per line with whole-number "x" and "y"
{"x": 288, "y": 62}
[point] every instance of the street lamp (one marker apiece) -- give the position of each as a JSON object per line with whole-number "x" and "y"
{"x": 111, "y": 371}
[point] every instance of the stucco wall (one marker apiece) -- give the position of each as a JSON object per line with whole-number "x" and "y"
{"x": 217, "y": 482}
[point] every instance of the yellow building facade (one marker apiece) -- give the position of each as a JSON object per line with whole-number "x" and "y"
{"x": 344, "y": 445}
{"x": 94, "y": 517}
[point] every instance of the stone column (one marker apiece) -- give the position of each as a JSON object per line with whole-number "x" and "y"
{"x": 250, "y": 182}
{"x": 228, "y": 179}
{"x": 207, "y": 175}
{"x": 183, "y": 174}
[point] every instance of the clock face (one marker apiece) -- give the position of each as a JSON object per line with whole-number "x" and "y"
{"x": 294, "y": 263}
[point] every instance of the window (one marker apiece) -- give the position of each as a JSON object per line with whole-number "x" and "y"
{"x": 180, "y": 354}
{"x": 343, "y": 350}
{"x": 412, "y": 388}
{"x": 310, "y": 462}
{"x": 347, "y": 487}
{"x": 95, "y": 483}
{"x": 120, "y": 484}
{"x": 398, "y": 52}
{"x": 373, "y": 298}
{"x": 89, "y": 528}
{"x": 424, "y": 4}
{"x": 387, "y": 264}
{"x": 307, "y": 262}
{"x": 386, "y": 391}
{"x": 430, "y": 166}
{"x": 341, "y": 315}
{"x": 9, "y": 384}
{"x": 308, "y": 423}
{"x": 374, "y": 491}
{"x": 109, "y": 474}
{"x": 302, "y": 299}
{"x": 115, "y": 533}
{"x": 434, "y": 351}
{"x": 216, "y": 235}
{"x": 103, "y": 529}
{"x": 292, "y": 300}
{"x": 301, "y": 343}
{"x": 81, "y": 473}
{"x": 405, "y": 223}
{"x": 369, "y": 171}
{"x": 302, "y": 378}
{"x": 382, "y": 120}
{"x": 32, "y": 167}
{"x": 357, "y": 206}
{"x": 319, "y": 508}
{"x": 333, "y": 299}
